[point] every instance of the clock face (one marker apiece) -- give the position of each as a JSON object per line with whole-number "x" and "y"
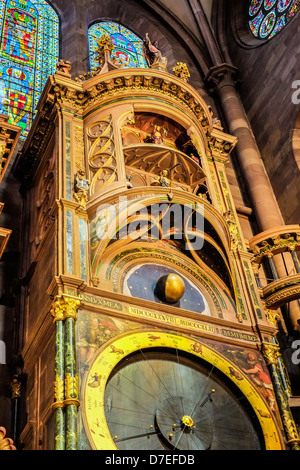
{"x": 160, "y": 399}
{"x": 156, "y": 390}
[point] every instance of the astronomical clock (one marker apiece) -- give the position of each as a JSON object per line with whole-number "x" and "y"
{"x": 150, "y": 325}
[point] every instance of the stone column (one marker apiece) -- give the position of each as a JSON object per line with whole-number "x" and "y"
{"x": 57, "y": 313}
{"x": 64, "y": 312}
{"x": 271, "y": 354}
{"x": 222, "y": 79}
{"x": 71, "y": 376}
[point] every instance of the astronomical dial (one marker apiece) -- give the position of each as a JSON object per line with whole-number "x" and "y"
{"x": 151, "y": 390}
{"x": 157, "y": 399}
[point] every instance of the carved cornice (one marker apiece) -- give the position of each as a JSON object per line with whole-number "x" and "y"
{"x": 274, "y": 241}
{"x": 281, "y": 291}
{"x": 85, "y": 91}
{"x": 221, "y": 145}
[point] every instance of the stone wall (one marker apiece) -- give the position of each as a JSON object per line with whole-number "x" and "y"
{"x": 267, "y": 72}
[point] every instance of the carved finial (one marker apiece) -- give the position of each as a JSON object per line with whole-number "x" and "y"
{"x": 104, "y": 48}
{"x": 63, "y": 66}
{"x": 103, "y": 52}
{"x": 181, "y": 71}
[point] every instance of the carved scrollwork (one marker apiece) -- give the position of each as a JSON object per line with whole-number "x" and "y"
{"x": 101, "y": 155}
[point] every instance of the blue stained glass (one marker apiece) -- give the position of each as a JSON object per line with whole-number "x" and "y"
{"x": 254, "y": 7}
{"x": 266, "y": 18}
{"x": 268, "y": 24}
{"x": 281, "y": 22}
{"x": 283, "y": 5}
{"x": 255, "y": 24}
{"x": 28, "y": 55}
{"x": 268, "y": 4}
{"x": 127, "y": 46}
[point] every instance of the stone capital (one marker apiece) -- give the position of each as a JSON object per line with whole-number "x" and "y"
{"x": 65, "y": 306}
{"x": 220, "y": 76}
{"x": 271, "y": 352}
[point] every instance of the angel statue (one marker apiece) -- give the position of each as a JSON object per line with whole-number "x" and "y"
{"x": 153, "y": 55}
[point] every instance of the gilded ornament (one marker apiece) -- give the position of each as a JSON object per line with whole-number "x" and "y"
{"x": 271, "y": 353}
{"x": 58, "y": 392}
{"x": 273, "y": 316}
{"x": 5, "y": 442}
{"x": 81, "y": 188}
{"x": 95, "y": 281}
{"x": 181, "y": 70}
{"x": 71, "y": 390}
{"x": 170, "y": 288}
{"x": 63, "y": 66}
{"x": 65, "y": 307}
{"x": 57, "y": 310}
{"x": 15, "y": 388}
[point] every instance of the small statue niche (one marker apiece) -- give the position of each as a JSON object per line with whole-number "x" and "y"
{"x": 81, "y": 188}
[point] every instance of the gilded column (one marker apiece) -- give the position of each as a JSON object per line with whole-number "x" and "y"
{"x": 271, "y": 354}
{"x": 64, "y": 311}
{"x": 57, "y": 311}
{"x": 71, "y": 377}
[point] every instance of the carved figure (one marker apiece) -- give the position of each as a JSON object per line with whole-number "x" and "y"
{"x": 157, "y": 135}
{"x": 163, "y": 180}
{"x": 153, "y": 55}
{"x": 81, "y": 188}
{"x": 63, "y": 66}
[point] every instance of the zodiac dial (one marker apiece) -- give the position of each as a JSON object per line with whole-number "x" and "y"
{"x": 153, "y": 394}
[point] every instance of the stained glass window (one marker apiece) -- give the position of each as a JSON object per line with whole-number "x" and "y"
{"x": 127, "y": 46}
{"x": 28, "y": 55}
{"x": 268, "y": 17}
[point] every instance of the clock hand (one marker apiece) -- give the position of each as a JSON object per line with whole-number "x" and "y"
{"x": 137, "y": 435}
